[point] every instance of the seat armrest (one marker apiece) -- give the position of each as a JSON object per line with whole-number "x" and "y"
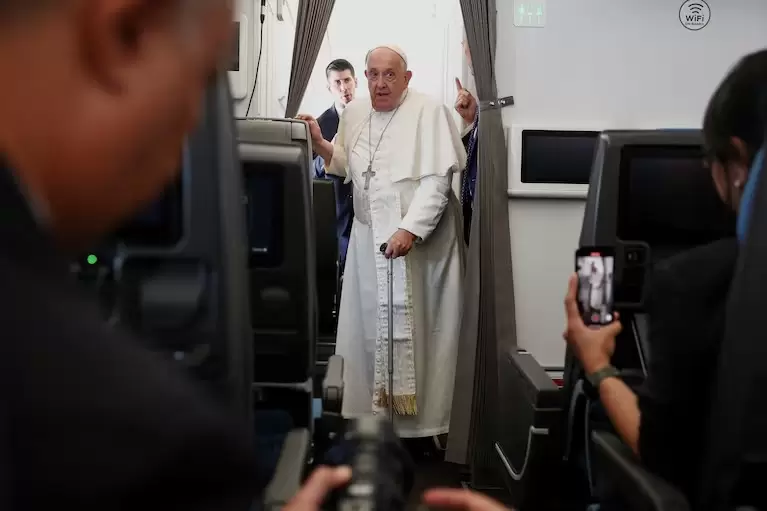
{"x": 288, "y": 476}
{"x": 333, "y": 385}
{"x": 638, "y": 487}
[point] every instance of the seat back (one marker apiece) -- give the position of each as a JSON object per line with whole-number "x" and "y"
{"x": 736, "y": 459}
{"x": 650, "y": 197}
{"x": 275, "y": 155}
{"x": 179, "y": 271}
{"x": 324, "y": 210}
{"x": 328, "y": 286}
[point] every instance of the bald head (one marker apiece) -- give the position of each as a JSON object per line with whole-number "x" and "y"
{"x": 122, "y": 82}
{"x": 388, "y": 77}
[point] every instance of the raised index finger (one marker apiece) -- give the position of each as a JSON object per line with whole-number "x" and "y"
{"x": 458, "y": 84}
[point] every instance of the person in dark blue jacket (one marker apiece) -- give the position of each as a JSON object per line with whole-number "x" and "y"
{"x": 467, "y": 107}
{"x": 342, "y": 84}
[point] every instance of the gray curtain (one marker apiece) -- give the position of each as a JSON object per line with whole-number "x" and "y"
{"x": 311, "y": 25}
{"x": 489, "y": 327}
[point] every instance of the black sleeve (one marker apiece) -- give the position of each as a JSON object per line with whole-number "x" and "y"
{"x": 466, "y": 139}
{"x": 98, "y": 422}
{"x": 673, "y": 400}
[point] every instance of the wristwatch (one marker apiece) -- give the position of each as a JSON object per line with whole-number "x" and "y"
{"x": 596, "y": 378}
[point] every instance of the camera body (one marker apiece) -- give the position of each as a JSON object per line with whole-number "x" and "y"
{"x": 383, "y": 472}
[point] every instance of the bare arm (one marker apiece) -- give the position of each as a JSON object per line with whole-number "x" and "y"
{"x": 594, "y": 348}
{"x": 622, "y": 408}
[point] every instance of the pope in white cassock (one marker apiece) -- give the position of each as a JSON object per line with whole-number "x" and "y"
{"x": 401, "y": 150}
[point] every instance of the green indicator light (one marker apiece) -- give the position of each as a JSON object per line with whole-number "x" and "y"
{"x": 92, "y": 259}
{"x": 540, "y": 11}
{"x": 522, "y": 10}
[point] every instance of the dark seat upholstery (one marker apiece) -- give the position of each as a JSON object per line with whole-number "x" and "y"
{"x": 292, "y": 247}
{"x": 735, "y": 462}
{"x": 529, "y": 432}
{"x": 183, "y": 273}
{"x": 184, "y": 282}
{"x": 650, "y": 197}
{"x": 324, "y": 207}
{"x": 735, "y": 466}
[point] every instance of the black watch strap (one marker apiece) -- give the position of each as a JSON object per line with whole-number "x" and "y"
{"x": 596, "y": 378}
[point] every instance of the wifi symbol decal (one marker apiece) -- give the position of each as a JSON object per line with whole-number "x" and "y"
{"x": 694, "y": 14}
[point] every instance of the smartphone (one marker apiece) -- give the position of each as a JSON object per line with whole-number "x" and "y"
{"x": 595, "y": 266}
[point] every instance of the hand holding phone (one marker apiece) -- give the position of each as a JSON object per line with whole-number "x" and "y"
{"x": 595, "y": 267}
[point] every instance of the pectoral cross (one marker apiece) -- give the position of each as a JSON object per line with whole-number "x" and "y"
{"x": 368, "y": 174}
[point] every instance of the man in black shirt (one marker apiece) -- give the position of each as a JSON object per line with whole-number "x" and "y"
{"x": 96, "y": 99}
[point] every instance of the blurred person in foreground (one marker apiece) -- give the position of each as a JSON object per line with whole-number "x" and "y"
{"x": 96, "y": 99}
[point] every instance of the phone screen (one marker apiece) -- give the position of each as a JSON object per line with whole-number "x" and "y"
{"x": 595, "y": 284}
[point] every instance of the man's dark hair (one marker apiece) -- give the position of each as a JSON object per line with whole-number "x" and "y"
{"x": 737, "y": 110}
{"x": 336, "y": 65}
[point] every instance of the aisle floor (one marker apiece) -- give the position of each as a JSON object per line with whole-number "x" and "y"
{"x": 430, "y": 474}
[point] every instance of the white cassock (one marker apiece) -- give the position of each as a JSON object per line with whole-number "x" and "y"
{"x": 416, "y": 175}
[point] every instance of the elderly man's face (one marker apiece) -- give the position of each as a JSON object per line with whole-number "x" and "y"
{"x": 137, "y": 91}
{"x": 387, "y": 77}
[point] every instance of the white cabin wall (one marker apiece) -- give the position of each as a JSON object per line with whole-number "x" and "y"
{"x": 248, "y": 7}
{"x": 628, "y": 64}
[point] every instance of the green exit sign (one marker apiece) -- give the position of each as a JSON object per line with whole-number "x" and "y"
{"x": 530, "y": 13}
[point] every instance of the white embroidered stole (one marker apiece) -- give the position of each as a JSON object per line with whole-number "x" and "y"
{"x": 385, "y": 210}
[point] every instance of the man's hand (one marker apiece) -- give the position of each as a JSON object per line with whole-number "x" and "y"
{"x": 464, "y": 500}
{"x": 400, "y": 244}
{"x": 321, "y": 146}
{"x": 320, "y": 484}
{"x": 592, "y": 346}
{"x": 465, "y": 104}
{"x": 314, "y": 128}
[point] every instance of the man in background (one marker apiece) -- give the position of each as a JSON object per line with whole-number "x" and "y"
{"x": 466, "y": 106}
{"x": 342, "y": 84}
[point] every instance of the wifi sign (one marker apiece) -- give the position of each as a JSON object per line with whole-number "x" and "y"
{"x": 694, "y": 14}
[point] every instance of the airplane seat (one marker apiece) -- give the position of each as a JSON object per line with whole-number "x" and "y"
{"x": 650, "y": 197}
{"x": 286, "y": 244}
{"x": 177, "y": 274}
{"x": 528, "y": 443}
{"x": 747, "y": 200}
{"x": 736, "y": 426}
{"x": 324, "y": 207}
